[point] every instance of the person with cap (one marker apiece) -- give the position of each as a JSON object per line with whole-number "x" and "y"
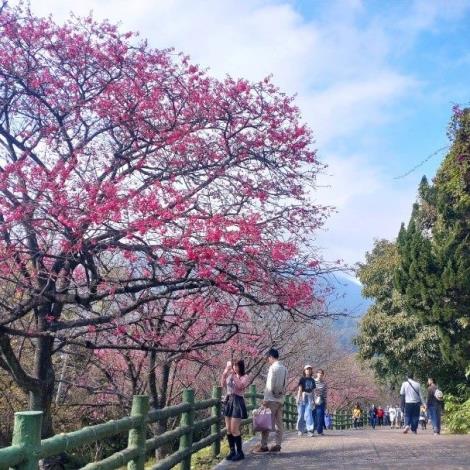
{"x": 274, "y": 394}
{"x": 305, "y": 402}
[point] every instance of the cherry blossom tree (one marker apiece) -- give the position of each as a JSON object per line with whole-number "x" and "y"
{"x": 130, "y": 177}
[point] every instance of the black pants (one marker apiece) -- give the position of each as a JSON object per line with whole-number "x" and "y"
{"x": 412, "y": 415}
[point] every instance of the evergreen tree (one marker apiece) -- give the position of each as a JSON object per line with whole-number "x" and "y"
{"x": 434, "y": 250}
{"x": 392, "y": 340}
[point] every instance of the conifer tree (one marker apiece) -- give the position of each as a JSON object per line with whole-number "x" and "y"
{"x": 434, "y": 271}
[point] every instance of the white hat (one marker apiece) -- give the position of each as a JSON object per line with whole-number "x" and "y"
{"x": 308, "y": 366}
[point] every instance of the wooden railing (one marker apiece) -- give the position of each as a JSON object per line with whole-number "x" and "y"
{"x": 342, "y": 419}
{"x": 28, "y": 449}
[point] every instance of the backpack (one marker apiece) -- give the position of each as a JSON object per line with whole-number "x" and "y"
{"x": 438, "y": 395}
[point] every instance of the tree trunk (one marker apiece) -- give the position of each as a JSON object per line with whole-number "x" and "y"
{"x": 158, "y": 396}
{"x": 41, "y": 398}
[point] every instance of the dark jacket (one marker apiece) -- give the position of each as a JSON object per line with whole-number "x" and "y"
{"x": 431, "y": 399}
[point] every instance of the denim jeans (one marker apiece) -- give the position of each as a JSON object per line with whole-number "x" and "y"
{"x": 304, "y": 415}
{"x": 412, "y": 415}
{"x": 372, "y": 421}
{"x": 435, "y": 415}
{"x": 320, "y": 418}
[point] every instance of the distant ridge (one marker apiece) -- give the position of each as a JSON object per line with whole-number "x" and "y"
{"x": 346, "y": 298}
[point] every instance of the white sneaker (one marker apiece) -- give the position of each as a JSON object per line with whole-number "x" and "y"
{"x": 405, "y": 431}
{"x": 300, "y": 433}
{"x": 310, "y": 434}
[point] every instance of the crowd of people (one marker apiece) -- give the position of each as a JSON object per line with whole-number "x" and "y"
{"x": 412, "y": 412}
{"x": 312, "y": 414}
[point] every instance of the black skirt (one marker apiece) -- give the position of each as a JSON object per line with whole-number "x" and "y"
{"x": 235, "y": 407}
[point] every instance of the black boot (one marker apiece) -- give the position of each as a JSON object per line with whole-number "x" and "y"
{"x": 231, "y": 444}
{"x": 238, "y": 445}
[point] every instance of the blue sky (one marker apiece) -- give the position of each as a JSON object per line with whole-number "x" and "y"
{"x": 376, "y": 81}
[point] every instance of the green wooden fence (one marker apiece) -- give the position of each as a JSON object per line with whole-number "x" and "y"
{"x": 28, "y": 449}
{"x": 342, "y": 419}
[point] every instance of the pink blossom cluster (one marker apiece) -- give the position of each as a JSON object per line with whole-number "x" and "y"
{"x": 131, "y": 178}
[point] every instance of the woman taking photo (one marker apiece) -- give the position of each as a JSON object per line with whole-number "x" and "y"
{"x": 236, "y": 381}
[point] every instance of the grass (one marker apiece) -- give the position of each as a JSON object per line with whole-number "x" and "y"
{"x": 203, "y": 460}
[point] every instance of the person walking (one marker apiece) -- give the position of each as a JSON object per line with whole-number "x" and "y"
{"x": 422, "y": 417}
{"x": 434, "y": 405}
{"x": 380, "y": 416}
{"x": 373, "y": 416}
{"x": 236, "y": 381}
{"x": 411, "y": 392}
{"x": 319, "y": 394}
{"x": 400, "y": 418}
{"x": 392, "y": 414}
{"x": 328, "y": 420}
{"x": 356, "y": 415}
{"x": 274, "y": 394}
{"x": 386, "y": 417}
{"x": 305, "y": 402}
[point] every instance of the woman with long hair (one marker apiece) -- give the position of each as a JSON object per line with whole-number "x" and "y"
{"x": 236, "y": 381}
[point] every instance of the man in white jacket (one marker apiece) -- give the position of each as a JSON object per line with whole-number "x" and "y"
{"x": 274, "y": 394}
{"x": 411, "y": 390}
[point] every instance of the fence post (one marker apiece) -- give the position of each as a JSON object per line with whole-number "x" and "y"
{"x": 292, "y": 411}
{"x": 138, "y": 435}
{"x": 215, "y": 413}
{"x": 187, "y": 419}
{"x": 285, "y": 412}
{"x": 253, "y": 404}
{"x": 27, "y": 434}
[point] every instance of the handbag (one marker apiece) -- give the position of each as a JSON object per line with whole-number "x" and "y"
{"x": 262, "y": 420}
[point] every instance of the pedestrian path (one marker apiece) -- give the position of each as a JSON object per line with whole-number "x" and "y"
{"x": 365, "y": 450}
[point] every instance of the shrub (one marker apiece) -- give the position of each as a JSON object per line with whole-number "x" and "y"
{"x": 457, "y": 415}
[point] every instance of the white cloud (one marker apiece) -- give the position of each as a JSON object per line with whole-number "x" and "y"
{"x": 369, "y": 206}
{"x": 350, "y": 106}
{"x": 346, "y": 179}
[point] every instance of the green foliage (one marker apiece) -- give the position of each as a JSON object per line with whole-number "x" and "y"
{"x": 457, "y": 415}
{"x": 433, "y": 275}
{"x": 389, "y": 338}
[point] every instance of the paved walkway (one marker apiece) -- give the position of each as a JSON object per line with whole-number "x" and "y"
{"x": 364, "y": 450}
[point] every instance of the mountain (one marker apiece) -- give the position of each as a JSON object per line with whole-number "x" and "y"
{"x": 346, "y": 299}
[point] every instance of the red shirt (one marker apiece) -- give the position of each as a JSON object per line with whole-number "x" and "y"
{"x": 380, "y": 413}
